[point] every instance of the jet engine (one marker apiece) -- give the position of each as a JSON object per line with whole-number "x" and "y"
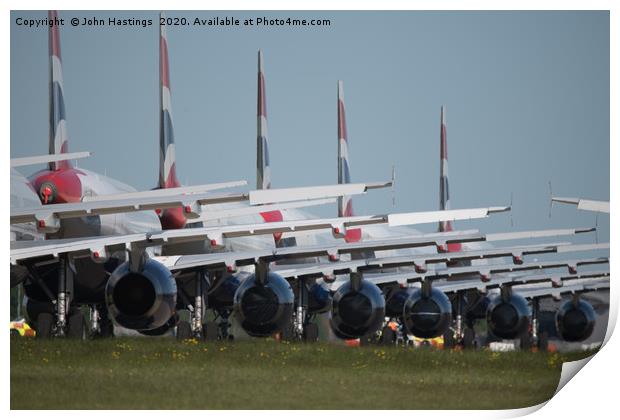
{"x": 358, "y": 309}
{"x": 395, "y": 301}
{"x": 508, "y": 315}
{"x": 427, "y": 312}
{"x": 319, "y": 299}
{"x": 144, "y": 300}
{"x": 575, "y": 320}
{"x": 264, "y": 308}
{"x": 222, "y": 293}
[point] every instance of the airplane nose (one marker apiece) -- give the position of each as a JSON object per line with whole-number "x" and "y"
{"x": 47, "y": 193}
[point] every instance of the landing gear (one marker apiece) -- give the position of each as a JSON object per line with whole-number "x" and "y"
{"x": 299, "y": 316}
{"x": 311, "y": 332}
{"x": 223, "y": 326}
{"x": 538, "y": 340}
{"x": 388, "y": 336}
{"x": 62, "y": 300}
{"x": 45, "y": 324}
{"x": 469, "y": 338}
{"x": 184, "y": 331}
{"x": 76, "y": 326}
{"x": 448, "y": 340}
{"x": 100, "y": 325}
{"x": 211, "y": 331}
{"x": 462, "y": 335}
{"x": 302, "y": 328}
{"x": 60, "y": 320}
{"x": 197, "y": 307}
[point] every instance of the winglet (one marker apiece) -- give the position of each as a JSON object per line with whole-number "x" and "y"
{"x": 58, "y": 136}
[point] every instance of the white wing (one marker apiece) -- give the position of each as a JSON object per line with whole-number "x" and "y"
{"x": 35, "y": 160}
{"x": 582, "y": 204}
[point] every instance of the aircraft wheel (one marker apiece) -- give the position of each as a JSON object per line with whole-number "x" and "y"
{"x": 311, "y": 332}
{"x": 469, "y": 338}
{"x": 448, "y": 340}
{"x": 368, "y": 339}
{"x": 387, "y": 336}
{"x": 543, "y": 341}
{"x": 287, "y": 333}
{"x": 45, "y": 322}
{"x": 76, "y": 325}
{"x": 210, "y": 331}
{"x": 184, "y": 331}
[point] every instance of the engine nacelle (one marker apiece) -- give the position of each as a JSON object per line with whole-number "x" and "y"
{"x": 427, "y": 315}
{"x": 575, "y": 320}
{"x": 144, "y": 300}
{"x": 395, "y": 302}
{"x": 356, "y": 313}
{"x": 263, "y": 309}
{"x": 223, "y": 294}
{"x": 508, "y": 316}
{"x": 319, "y": 299}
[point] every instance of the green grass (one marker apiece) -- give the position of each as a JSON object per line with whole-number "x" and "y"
{"x": 262, "y": 374}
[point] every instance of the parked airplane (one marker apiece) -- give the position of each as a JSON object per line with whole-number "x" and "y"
{"x": 78, "y": 203}
{"x": 82, "y": 203}
{"x": 141, "y": 293}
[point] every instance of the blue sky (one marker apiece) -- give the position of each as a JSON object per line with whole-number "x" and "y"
{"x": 527, "y": 96}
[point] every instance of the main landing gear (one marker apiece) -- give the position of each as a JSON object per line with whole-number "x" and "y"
{"x": 57, "y": 318}
{"x": 461, "y": 334}
{"x": 197, "y": 327}
{"x": 302, "y": 326}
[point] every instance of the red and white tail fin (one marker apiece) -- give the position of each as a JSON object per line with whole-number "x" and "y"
{"x": 345, "y": 203}
{"x": 263, "y": 170}
{"x": 58, "y": 135}
{"x": 167, "y": 159}
{"x": 169, "y": 218}
{"x": 444, "y": 191}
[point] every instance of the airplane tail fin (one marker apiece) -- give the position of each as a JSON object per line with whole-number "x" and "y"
{"x": 345, "y": 203}
{"x": 58, "y": 136}
{"x": 167, "y": 159}
{"x": 263, "y": 170}
{"x": 444, "y": 191}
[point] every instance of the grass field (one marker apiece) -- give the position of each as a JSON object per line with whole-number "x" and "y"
{"x": 262, "y": 374}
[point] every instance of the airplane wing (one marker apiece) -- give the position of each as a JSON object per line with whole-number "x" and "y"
{"x": 100, "y": 245}
{"x": 35, "y": 160}
{"x": 208, "y": 215}
{"x": 166, "y": 192}
{"x": 521, "y": 282}
{"x": 533, "y": 285}
{"x": 48, "y": 216}
{"x": 488, "y": 276}
{"x": 34, "y": 249}
{"x": 589, "y": 285}
{"x": 278, "y": 195}
{"x": 582, "y": 204}
{"x": 485, "y": 272}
